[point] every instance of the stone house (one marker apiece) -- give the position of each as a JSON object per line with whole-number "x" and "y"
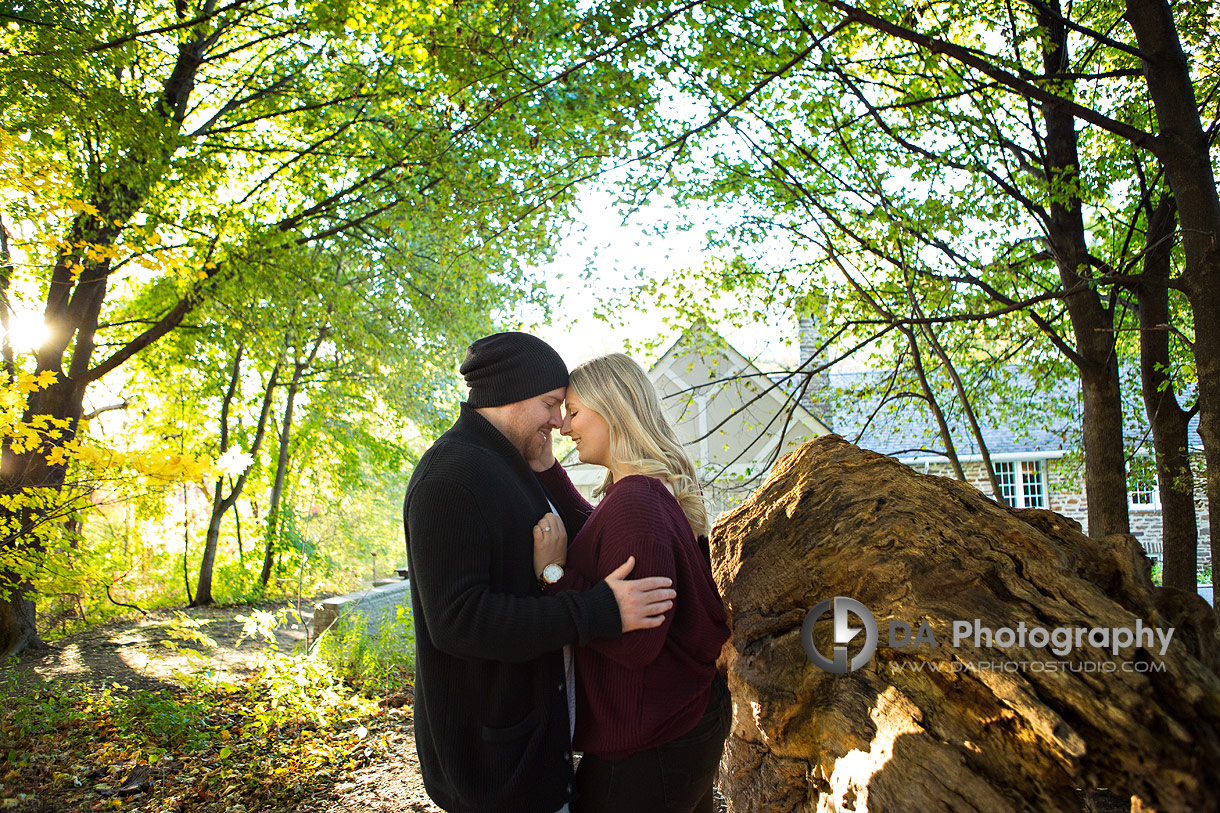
{"x": 1037, "y": 463}
{"x": 733, "y": 418}
{"x": 737, "y": 420}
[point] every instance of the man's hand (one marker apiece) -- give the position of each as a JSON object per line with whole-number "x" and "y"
{"x": 641, "y": 602}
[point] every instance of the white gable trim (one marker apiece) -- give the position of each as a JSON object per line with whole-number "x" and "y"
{"x": 1053, "y": 454}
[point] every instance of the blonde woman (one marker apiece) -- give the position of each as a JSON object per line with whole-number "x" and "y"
{"x": 652, "y": 712}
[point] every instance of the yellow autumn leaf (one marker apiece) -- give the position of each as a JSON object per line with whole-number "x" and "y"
{"x": 79, "y": 206}
{"x": 25, "y": 382}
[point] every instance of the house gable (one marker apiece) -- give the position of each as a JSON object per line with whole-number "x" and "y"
{"x": 730, "y": 416}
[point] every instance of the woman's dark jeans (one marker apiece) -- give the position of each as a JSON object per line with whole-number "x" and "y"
{"x": 675, "y": 777}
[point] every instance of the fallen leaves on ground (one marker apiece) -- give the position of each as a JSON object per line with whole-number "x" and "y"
{"x": 229, "y": 748}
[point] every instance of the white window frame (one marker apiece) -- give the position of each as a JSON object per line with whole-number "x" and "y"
{"x": 1014, "y": 477}
{"x": 1153, "y": 491}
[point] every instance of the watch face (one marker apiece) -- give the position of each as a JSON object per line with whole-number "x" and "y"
{"x": 552, "y": 573}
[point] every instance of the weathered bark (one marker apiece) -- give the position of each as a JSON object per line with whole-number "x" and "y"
{"x": 1169, "y": 422}
{"x": 1092, "y": 324}
{"x": 222, "y": 504}
{"x": 966, "y": 726}
{"x": 1182, "y": 148}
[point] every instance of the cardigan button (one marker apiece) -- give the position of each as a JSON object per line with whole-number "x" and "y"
{"x": 559, "y": 687}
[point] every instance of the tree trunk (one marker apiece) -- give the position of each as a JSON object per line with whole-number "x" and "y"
{"x": 18, "y": 617}
{"x": 8, "y": 365}
{"x": 222, "y": 504}
{"x": 241, "y": 553}
{"x": 1170, "y": 423}
{"x": 942, "y": 425}
{"x": 28, "y": 526}
{"x": 968, "y": 708}
{"x": 281, "y": 471}
{"x": 1182, "y": 148}
{"x": 281, "y": 467}
{"x": 1092, "y": 323}
{"x": 203, "y": 589}
{"x": 70, "y": 312}
{"x": 186, "y": 544}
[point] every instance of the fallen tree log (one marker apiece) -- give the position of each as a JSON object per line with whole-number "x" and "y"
{"x": 989, "y": 720}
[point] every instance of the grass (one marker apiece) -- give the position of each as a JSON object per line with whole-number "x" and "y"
{"x": 1204, "y": 575}
{"x": 377, "y": 659}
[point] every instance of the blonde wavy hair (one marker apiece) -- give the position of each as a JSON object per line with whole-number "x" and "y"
{"x": 617, "y": 388}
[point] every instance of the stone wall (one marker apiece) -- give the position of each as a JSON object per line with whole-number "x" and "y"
{"x": 377, "y": 604}
{"x": 1065, "y": 496}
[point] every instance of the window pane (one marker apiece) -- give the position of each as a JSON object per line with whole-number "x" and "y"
{"x": 1005, "y": 474}
{"x": 1031, "y": 484}
{"x": 1141, "y": 492}
{"x": 1141, "y": 482}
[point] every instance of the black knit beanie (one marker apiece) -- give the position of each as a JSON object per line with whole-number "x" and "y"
{"x": 508, "y": 367}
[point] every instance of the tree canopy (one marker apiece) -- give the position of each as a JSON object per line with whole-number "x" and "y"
{"x": 302, "y": 211}
{"x": 375, "y": 178}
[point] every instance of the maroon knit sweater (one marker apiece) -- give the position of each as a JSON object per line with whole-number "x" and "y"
{"x": 649, "y": 686}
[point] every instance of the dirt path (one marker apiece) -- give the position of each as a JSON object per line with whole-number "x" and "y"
{"x": 150, "y": 652}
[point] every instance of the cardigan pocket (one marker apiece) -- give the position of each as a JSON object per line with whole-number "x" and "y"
{"x": 514, "y": 731}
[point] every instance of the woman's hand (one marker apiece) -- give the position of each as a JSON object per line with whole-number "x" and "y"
{"x": 550, "y": 543}
{"x": 545, "y": 457}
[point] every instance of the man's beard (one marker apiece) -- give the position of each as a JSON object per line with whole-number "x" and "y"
{"x": 529, "y": 443}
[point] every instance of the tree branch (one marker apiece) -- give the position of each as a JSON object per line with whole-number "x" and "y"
{"x": 974, "y": 59}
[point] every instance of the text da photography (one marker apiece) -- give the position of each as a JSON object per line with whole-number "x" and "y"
{"x": 855, "y": 636}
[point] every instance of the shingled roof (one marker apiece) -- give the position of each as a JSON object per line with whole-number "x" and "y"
{"x": 1023, "y": 416}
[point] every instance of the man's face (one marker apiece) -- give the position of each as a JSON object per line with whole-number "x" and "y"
{"x": 528, "y": 424}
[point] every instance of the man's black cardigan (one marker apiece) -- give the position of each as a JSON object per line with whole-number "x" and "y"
{"x": 491, "y": 714}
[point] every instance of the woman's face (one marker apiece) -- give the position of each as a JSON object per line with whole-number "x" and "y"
{"x": 588, "y": 429}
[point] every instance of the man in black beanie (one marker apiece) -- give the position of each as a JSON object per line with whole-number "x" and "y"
{"x": 492, "y": 721}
